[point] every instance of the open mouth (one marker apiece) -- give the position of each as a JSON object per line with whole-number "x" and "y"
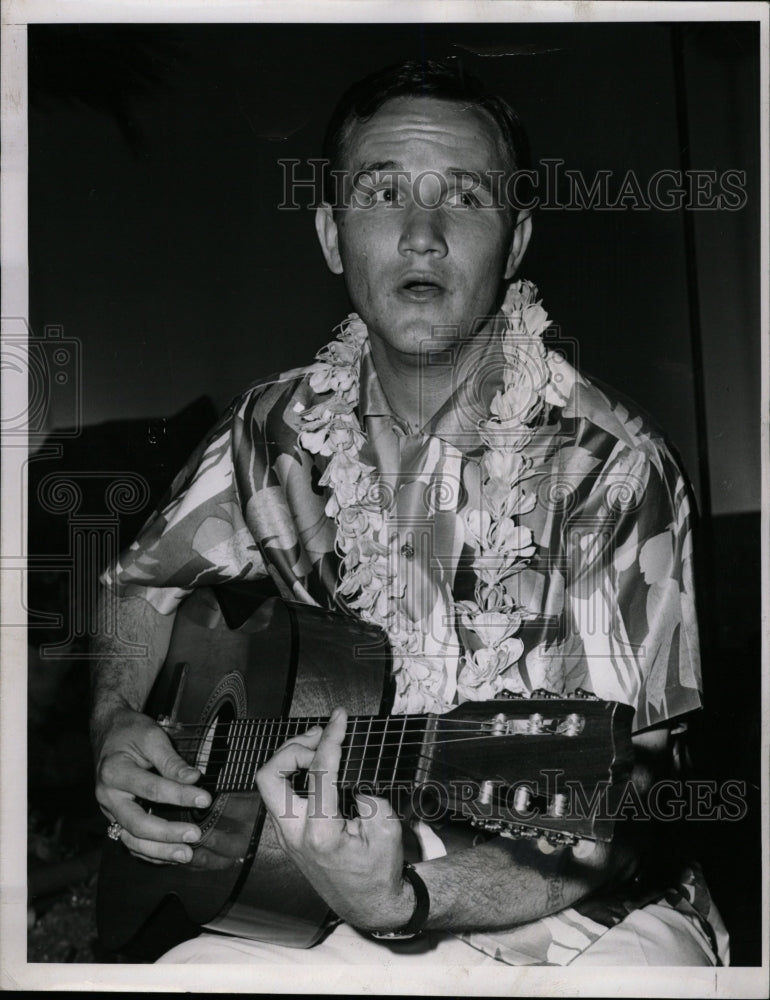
{"x": 420, "y": 288}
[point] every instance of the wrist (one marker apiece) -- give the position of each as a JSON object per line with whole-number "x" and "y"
{"x": 106, "y": 715}
{"x": 411, "y": 925}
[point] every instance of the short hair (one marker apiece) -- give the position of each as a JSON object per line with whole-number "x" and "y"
{"x": 430, "y": 78}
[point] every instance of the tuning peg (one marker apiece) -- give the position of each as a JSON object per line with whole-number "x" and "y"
{"x": 536, "y": 723}
{"x": 585, "y": 695}
{"x": 486, "y": 793}
{"x": 516, "y": 831}
{"x": 522, "y": 800}
{"x": 490, "y": 825}
{"x": 558, "y": 805}
{"x": 573, "y": 724}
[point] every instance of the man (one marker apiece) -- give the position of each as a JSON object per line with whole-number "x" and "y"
{"x": 546, "y": 504}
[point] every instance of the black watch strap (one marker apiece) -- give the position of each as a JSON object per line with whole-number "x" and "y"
{"x": 418, "y": 918}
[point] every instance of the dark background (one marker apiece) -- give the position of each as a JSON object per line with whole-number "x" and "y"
{"x": 156, "y": 244}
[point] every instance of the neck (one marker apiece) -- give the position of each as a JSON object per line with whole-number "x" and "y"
{"x": 415, "y": 389}
{"x": 377, "y": 750}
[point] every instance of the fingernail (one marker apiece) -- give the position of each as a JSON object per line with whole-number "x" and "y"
{"x": 202, "y": 801}
{"x": 187, "y": 772}
{"x": 191, "y": 837}
{"x": 181, "y": 855}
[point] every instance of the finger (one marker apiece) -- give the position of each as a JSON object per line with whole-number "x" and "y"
{"x": 161, "y": 754}
{"x": 279, "y": 798}
{"x": 151, "y": 850}
{"x": 324, "y": 770}
{"x": 121, "y": 772}
{"x": 145, "y": 826}
{"x": 377, "y": 822}
{"x": 375, "y": 807}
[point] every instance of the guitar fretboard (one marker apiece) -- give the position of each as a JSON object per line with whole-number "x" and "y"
{"x": 378, "y": 751}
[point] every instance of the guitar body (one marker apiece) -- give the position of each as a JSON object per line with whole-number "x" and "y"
{"x": 240, "y": 668}
{"x": 283, "y": 660}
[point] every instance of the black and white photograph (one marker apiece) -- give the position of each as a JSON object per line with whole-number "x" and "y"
{"x": 384, "y": 480}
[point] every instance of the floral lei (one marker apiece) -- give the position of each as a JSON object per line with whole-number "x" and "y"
{"x": 367, "y": 544}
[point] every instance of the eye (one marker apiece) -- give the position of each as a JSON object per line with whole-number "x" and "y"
{"x": 462, "y": 199}
{"x": 387, "y": 194}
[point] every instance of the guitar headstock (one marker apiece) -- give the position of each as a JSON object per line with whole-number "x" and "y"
{"x": 540, "y": 766}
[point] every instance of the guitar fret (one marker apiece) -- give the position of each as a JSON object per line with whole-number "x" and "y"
{"x": 243, "y": 777}
{"x": 231, "y": 753}
{"x": 260, "y": 747}
{"x": 400, "y": 747}
{"x": 237, "y": 755}
{"x": 249, "y": 767}
{"x": 228, "y": 757}
{"x": 383, "y": 738}
{"x": 241, "y": 745}
{"x": 350, "y": 753}
{"x": 363, "y": 752}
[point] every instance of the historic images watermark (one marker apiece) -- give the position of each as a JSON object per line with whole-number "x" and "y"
{"x": 551, "y": 796}
{"x": 552, "y": 187}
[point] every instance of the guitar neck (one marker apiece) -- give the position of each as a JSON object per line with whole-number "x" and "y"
{"x": 378, "y": 751}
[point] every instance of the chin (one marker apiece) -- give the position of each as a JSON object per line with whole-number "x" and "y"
{"x": 416, "y": 338}
{"x": 411, "y": 335}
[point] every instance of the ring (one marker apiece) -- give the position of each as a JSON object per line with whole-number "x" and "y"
{"x": 114, "y": 831}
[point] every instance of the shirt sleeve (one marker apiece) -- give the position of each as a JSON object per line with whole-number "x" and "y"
{"x": 197, "y": 537}
{"x": 631, "y": 598}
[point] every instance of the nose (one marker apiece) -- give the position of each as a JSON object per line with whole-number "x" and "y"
{"x": 422, "y": 231}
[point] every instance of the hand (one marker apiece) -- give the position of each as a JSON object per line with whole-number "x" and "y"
{"x": 354, "y": 864}
{"x": 132, "y": 745}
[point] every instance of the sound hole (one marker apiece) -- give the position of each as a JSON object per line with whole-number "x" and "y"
{"x": 211, "y": 755}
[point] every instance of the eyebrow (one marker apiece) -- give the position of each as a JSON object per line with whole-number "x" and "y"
{"x": 482, "y": 176}
{"x": 380, "y": 166}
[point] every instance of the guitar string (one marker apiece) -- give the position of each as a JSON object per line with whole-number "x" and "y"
{"x": 394, "y": 721}
{"x": 318, "y": 719}
{"x": 247, "y": 784}
{"x": 221, "y": 756}
{"x": 231, "y": 759}
{"x": 273, "y": 739}
{"x": 393, "y": 724}
{"x": 469, "y": 733}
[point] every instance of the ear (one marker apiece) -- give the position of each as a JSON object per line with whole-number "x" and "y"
{"x": 519, "y": 243}
{"x": 328, "y": 237}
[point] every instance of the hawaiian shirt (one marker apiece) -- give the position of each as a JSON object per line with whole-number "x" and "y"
{"x": 607, "y": 596}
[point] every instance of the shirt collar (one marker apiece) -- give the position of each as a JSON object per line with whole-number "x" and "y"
{"x": 479, "y": 376}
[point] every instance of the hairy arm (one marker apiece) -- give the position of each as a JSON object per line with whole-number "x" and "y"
{"x": 134, "y": 757}
{"x": 121, "y": 679}
{"x": 507, "y": 882}
{"x": 356, "y": 864}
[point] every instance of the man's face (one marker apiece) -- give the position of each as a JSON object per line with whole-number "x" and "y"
{"x": 417, "y": 249}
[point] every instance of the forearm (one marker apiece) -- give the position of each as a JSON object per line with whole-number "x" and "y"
{"x": 134, "y": 757}
{"x": 504, "y": 883}
{"x": 507, "y": 882}
{"x": 130, "y": 647}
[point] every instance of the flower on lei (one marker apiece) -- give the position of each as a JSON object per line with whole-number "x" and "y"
{"x": 504, "y": 491}
{"x": 481, "y": 673}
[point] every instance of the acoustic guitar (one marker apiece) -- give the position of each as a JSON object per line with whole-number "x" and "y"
{"x": 245, "y": 673}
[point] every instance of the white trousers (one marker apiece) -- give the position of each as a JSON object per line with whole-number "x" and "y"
{"x": 653, "y": 936}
